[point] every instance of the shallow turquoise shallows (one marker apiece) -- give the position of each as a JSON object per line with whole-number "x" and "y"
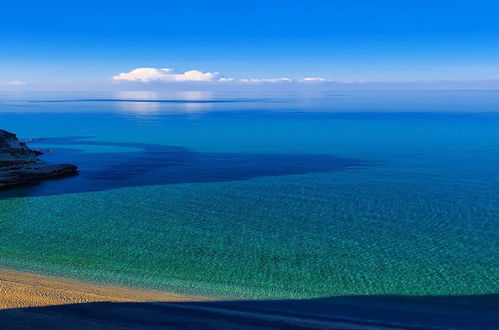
{"x": 261, "y": 196}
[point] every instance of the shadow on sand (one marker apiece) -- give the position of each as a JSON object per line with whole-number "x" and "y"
{"x": 140, "y": 164}
{"x": 355, "y": 312}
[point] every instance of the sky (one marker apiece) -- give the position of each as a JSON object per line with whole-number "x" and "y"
{"x": 112, "y": 44}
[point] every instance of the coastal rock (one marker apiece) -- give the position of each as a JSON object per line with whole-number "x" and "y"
{"x": 20, "y": 165}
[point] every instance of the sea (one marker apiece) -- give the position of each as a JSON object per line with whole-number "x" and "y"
{"x": 260, "y": 195}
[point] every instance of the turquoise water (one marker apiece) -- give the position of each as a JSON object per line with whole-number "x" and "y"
{"x": 252, "y": 196}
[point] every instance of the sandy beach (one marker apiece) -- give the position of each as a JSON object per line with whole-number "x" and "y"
{"x": 45, "y": 302}
{"x": 20, "y": 289}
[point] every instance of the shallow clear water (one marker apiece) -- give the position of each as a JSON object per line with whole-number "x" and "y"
{"x": 285, "y": 195}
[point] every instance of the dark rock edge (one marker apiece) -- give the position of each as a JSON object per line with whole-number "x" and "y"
{"x": 19, "y": 165}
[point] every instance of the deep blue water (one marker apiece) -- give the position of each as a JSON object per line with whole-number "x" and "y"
{"x": 261, "y": 195}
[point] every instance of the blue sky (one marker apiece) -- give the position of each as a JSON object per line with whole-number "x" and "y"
{"x": 72, "y": 43}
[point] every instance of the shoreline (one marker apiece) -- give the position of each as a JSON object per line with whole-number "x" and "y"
{"x": 28, "y": 300}
{"x": 22, "y": 289}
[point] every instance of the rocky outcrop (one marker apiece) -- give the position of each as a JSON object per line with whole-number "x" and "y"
{"x": 21, "y": 165}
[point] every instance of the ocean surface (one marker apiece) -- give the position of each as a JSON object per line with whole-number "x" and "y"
{"x": 261, "y": 195}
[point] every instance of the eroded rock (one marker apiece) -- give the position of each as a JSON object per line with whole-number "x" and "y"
{"x": 20, "y": 165}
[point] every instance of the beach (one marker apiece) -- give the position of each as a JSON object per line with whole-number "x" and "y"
{"x": 20, "y": 289}
{"x": 47, "y": 302}
{"x": 28, "y": 300}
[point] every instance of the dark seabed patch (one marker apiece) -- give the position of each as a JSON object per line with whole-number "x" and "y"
{"x": 155, "y": 164}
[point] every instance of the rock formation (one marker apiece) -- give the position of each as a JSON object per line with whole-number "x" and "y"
{"x": 20, "y": 165}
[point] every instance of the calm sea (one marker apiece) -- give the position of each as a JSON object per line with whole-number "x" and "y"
{"x": 270, "y": 195}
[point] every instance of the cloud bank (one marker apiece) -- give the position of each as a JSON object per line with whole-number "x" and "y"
{"x": 152, "y": 74}
{"x": 272, "y": 80}
{"x": 314, "y": 79}
{"x": 146, "y": 75}
{"x": 16, "y": 83}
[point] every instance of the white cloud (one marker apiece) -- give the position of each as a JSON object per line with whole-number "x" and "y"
{"x": 152, "y": 74}
{"x": 16, "y": 83}
{"x": 314, "y": 79}
{"x": 272, "y": 80}
{"x": 170, "y": 75}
